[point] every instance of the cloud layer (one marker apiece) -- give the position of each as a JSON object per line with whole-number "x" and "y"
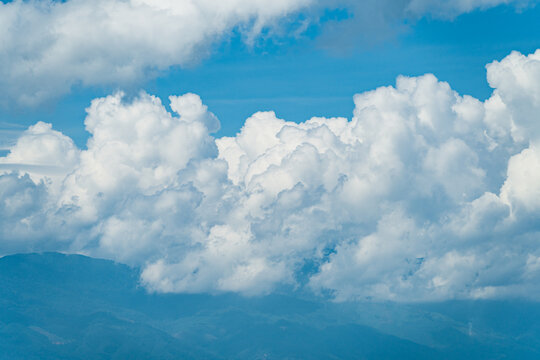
{"x": 47, "y": 47}
{"x": 423, "y": 195}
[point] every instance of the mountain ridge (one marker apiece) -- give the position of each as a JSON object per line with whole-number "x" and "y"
{"x": 58, "y": 306}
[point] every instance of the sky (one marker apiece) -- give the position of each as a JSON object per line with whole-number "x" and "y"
{"x": 383, "y": 150}
{"x": 301, "y": 76}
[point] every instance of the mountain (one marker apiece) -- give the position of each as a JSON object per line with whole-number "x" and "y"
{"x": 55, "y": 306}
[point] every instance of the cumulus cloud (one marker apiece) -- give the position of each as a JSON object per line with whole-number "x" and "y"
{"x": 46, "y": 47}
{"x": 423, "y": 194}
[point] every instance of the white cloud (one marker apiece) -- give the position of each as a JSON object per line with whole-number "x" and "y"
{"x": 46, "y": 47}
{"x": 47, "y": 149}
{"x": 422, "y": 195}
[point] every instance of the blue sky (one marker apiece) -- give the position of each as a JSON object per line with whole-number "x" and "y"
{"x": 302, "y": 77}
{"x": 250, "y": 145}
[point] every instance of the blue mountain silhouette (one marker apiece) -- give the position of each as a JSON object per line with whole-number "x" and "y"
{"x": 55, "y": 306}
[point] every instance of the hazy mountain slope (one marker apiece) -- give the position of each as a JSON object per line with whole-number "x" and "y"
{"x": 55, "y": 306}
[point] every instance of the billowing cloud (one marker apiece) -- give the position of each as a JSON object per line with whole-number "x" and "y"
{"x": 46, "y": 47}
{"x": 423, "y": 194}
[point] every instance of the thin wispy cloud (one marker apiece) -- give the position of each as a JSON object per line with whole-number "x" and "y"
{"x": 9, "y": 132}
{"x": 364, "y": 24}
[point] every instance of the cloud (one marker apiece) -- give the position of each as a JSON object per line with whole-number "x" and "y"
{"x": 448, "y": 9}
{"x": 46, "y": 47}
{"x": 369, "y": 22}
{"x": 422, "y": 195}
